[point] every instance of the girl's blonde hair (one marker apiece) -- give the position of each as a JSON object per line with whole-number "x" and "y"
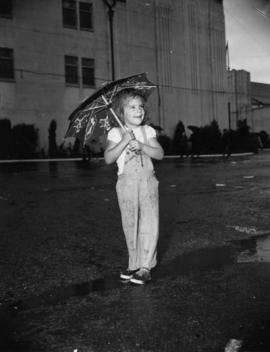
{"x": 120, "y": 99}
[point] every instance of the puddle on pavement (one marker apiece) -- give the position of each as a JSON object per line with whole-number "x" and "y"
{"x": 253, "y": 249}
{"x": 61, "y": 294}
{"x": 201, "y": 260}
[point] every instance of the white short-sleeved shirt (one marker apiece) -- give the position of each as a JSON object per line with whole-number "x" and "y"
{"x": 115, "y": 136}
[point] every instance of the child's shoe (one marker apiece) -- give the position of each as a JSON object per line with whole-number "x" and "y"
{"x": 127, "y": 274}
{"x": 141, "y": 277}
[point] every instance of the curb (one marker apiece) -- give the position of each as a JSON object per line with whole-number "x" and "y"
{"x": 9, "y": 161}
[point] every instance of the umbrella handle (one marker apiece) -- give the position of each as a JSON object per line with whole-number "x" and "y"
{"x": 113, "y": 112}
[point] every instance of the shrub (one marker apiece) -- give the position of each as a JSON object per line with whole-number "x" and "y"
{"x": 5, "y": 139}
{"x": 165, "y": 142}
{"x": 52, "y": 139}
{"x": 207, "y": 139}
{"x": 264, "y": 139}
{"x": 24, "y": 141}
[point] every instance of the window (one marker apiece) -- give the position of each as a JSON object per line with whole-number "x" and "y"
{"x": 69, "y": 13}
{"x": 6, "y": 63}
{"x": 77, "y": 14}
{"x": 6, "y": 8}
{"x": 86, "y": 68}
{"x": 86, "y": 15}
{"x": 71, "y": 70}
{"x": 88, "y": 72}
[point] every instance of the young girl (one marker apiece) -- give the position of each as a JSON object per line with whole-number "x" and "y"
{"x": 137, "y": 186}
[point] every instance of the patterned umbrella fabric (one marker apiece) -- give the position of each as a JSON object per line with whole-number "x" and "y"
{"x": 94, "y": 117}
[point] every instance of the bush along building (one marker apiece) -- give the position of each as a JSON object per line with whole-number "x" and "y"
{"x": 55, "y": 53}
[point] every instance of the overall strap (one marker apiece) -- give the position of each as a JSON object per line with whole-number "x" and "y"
{"x": 145, "y": 139}
{"x": 120, "y": 131}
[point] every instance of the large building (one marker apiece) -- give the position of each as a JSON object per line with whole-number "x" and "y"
{"x": 260, "y": 99}
{"x": 248, "y": 100}
{"x": 239, "y": 105}
{"x": 54, "y": 53}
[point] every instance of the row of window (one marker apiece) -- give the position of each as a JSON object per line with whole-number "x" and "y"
{"x": 77, "y": 71}
{"x": 87, "y": 68}
{"x": 76, "y": 14}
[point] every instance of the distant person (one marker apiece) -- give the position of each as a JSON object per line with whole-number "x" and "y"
{"x": 259, "y": 140}
{"x": 69, "y": 150}
{"x": 137, "y": 186}
{"x": 86, "y": 153}
{"x": 226, "y": 142}
{"x": 180, "y": 141}
{"x": 195, "y": 141}
{"x": 183, "y": 147}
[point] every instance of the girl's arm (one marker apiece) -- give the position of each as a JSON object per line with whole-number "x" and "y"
{"x": 114, "y": 150}
{"x": 153, "y": 149}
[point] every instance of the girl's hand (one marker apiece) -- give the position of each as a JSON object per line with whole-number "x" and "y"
{"x": 135, "y": 145}
{"x": 128, "y": 136}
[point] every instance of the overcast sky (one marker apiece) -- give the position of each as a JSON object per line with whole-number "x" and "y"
{"x": 248, "y": 35}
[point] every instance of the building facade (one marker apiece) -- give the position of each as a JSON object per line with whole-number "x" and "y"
{"x": 55, "y": 53}
{"x": 260, "y": 99}
{"x": 239, "y": 104}
{"x": 248, "y": 100}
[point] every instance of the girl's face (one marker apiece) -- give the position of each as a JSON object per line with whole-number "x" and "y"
{"x": 133, "y": 112}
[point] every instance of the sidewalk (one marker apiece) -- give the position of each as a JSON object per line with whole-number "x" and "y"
{"x": 2, "y": 161}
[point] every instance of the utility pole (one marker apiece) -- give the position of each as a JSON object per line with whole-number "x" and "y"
{"x": 227, "y": 56}
{"x": 111, "y": 5}
{"x": 229, "y": 115}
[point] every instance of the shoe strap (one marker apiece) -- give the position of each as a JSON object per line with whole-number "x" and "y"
{"x": 146, "y": 269}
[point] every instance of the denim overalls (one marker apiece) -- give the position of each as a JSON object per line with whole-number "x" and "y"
{"x": 137, "y": 192}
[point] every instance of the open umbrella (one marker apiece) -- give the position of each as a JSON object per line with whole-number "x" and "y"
{"x": 94, "y": 117}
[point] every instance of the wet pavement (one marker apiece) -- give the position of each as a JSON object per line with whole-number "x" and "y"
{"x": 61, "y": 249}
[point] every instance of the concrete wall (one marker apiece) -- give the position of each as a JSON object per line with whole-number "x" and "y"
{"x": 261, "y": 120}
{"x": 240, "y": 96}
{"x": 179, "y": 43}
{"x": 261, "y": 111}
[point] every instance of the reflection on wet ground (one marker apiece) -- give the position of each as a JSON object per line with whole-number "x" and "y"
{"x": 254, "y": 249}
{"x": 52, "y": 168}
{"x": 56, "y": 168}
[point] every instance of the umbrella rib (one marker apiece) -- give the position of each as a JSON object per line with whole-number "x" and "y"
{"x": 113, "y": 112}
{"x": 96, "y": 107}
{"x": 112, "y": 95}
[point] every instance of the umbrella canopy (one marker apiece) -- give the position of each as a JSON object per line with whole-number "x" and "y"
{"x": 94, "y": 117}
